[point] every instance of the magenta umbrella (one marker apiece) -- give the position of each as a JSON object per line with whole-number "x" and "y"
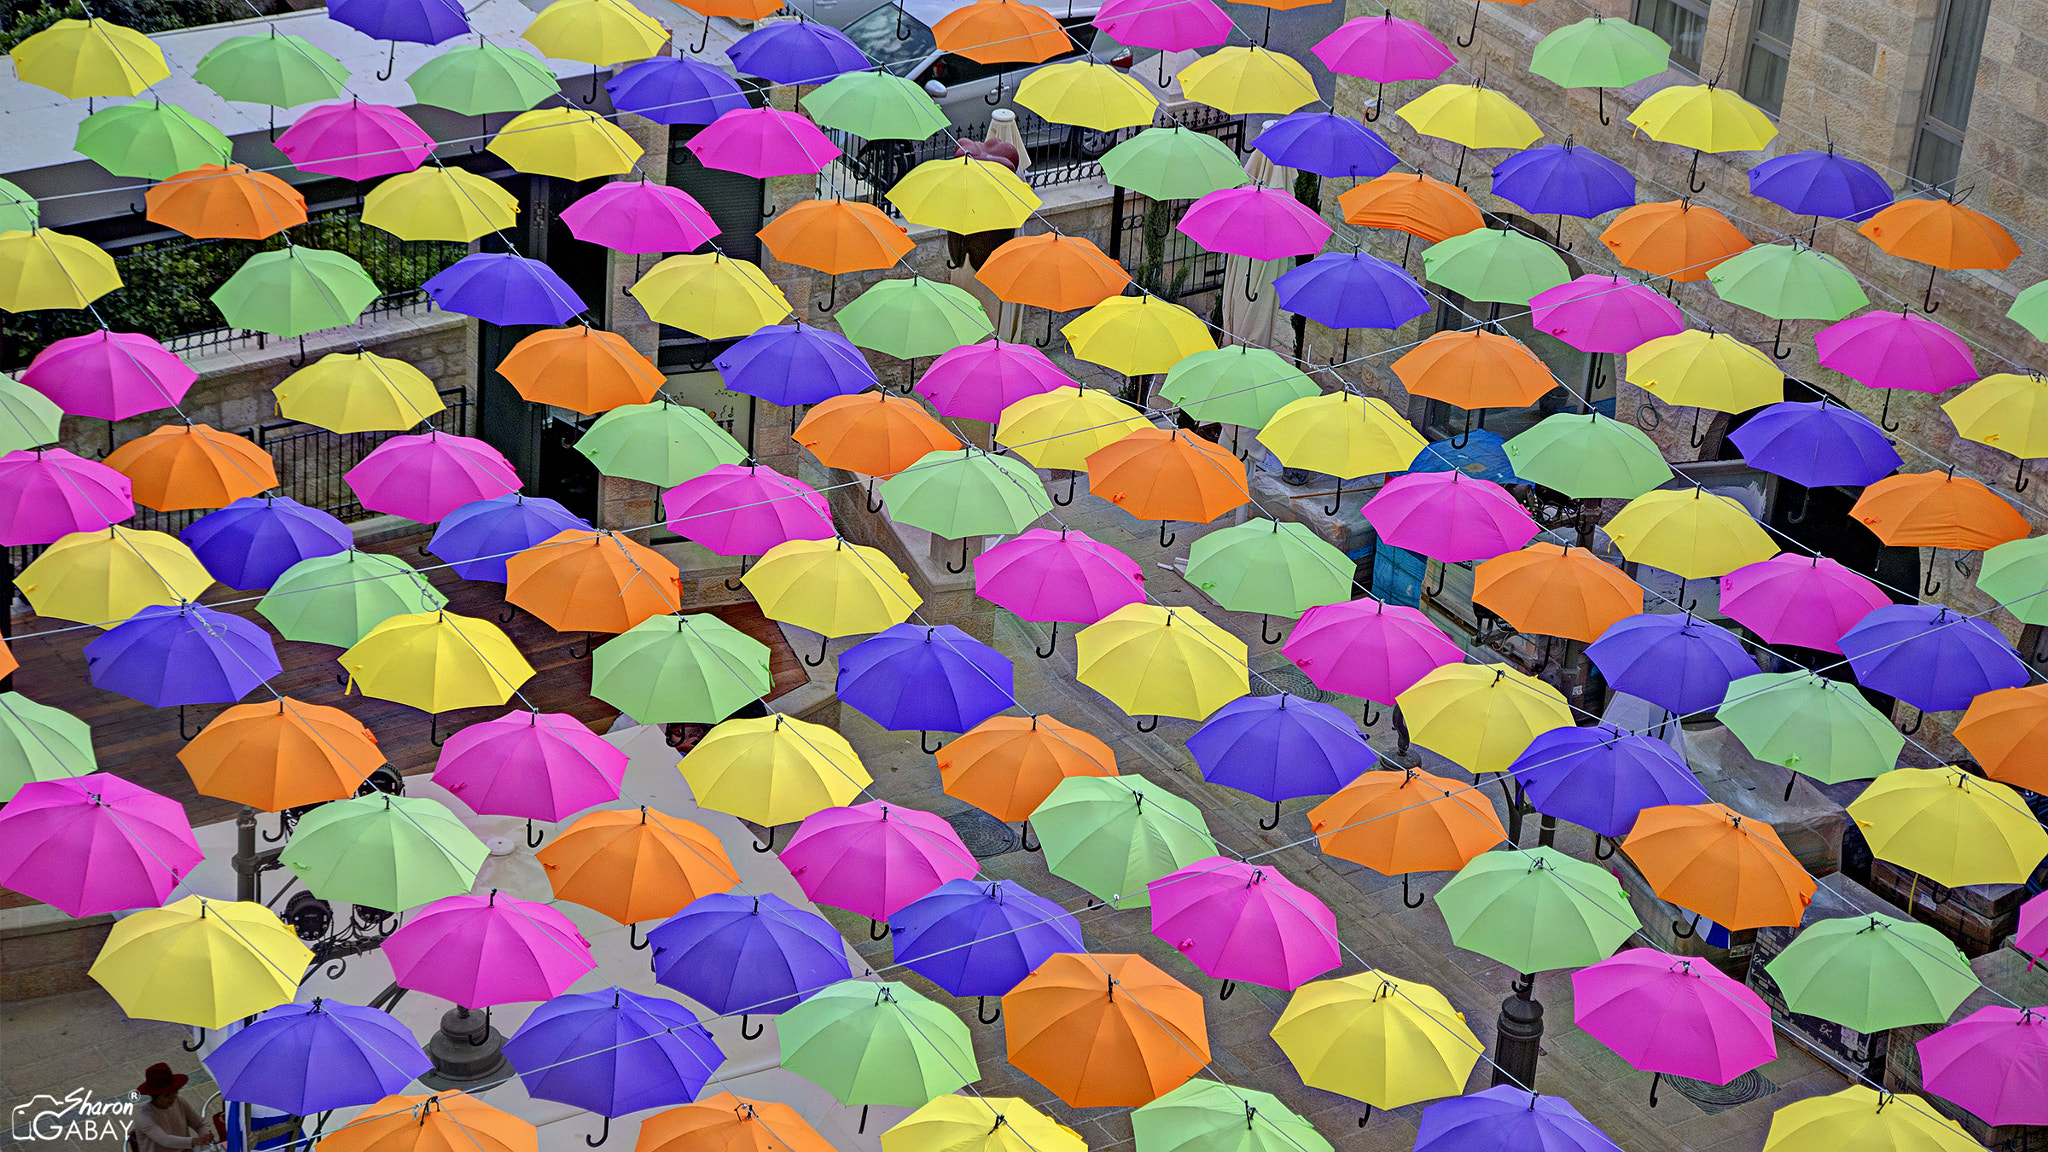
{"x": 1674, "y": 1016}
{"x": 424, "y": 478}
{"x": 49, "y": 493}
{"x": 978, "y": 381}
{"x": 763, "y": 142}
{"x": 355, "y": 141}
{"x": 1384, "y": 49}
{"x": 1810, "y": 601}
{"x": 1368, "y": 649}
{"x": 109, "y": 375}
{"x": 540, "y": 765}
{"x": 94, "y": 844}
{"x": 1061, "y": 576}
{"x": 1255, "y": 222}
{"x": 1993, "y": 1062}
{"x": 744, "y": 510}
{"x": 874, "y": 859}
{"x": 1449, "y": 516}
{"x": 2032, "y": 937}
{"x": 1891, "y": 350}
{"x": 1168, "y": 25}
{"x": 1238, "y": 921}
{"x": 1604, "y": 314}
{"x": 477, "y": 951}
{"x": 640, "y": 217}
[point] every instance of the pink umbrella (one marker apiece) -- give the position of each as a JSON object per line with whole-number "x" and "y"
{"x": 744, "y": 510}
{"x": 109, "y": 375}
{"x": 874, "y": 859}
{"x": 2032, "y": 937}
{"x": 1168, "y": 25}
{"x": 1449, "y": 516}
{"x": 540, "y": 765}
{"x": 1058, "y": 576}
{"x": 1896, "y": 350}
{"x": 763, "y": 142}
{"x": 94, "y": 844}
{"x": 1384, "y": 49}
{"x": 424, "y": 478}
{"x": 1993, "y": 1062}
{"x": 48, "y": 493}
{"x": 640, "y": 217}
{"x": 1809, "y": 601}
{"x": 1604, "y": 314}
{"x": 355, "y": 141}
{"x": 1368, "y": 649}
{"x": 978, "y": 381}
{"x": 1254, "y": 222}
{"x": 478, "y": 951}
{"x": 1238, "y": 921}
{"x": 1674, "y": 1016}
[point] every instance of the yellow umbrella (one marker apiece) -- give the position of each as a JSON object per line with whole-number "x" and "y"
{"x": 90, "y": 58}
{"x": 595, "y": 32}
{"x": 1060, "y": 428}
{"x": 1951, "y": 827}
{"x": 358, "y": 392}
{"x": 980, "y": 1124}
{"x": 964, "y": 195}
{"x": 1706, "y": 370}
{"x": 773, "y": 769}
{"x": 1481, "y": 716}
{"x": 201, "y": 962}
{"x": 2005, "y": 410}
{"x": 831, "y": 587}
{"x": 1162, "y": 662}
{"x": 1471, "y": 116}
{"x": 1342, "y": 435}
{"x": 1371, "y": 1037}
{"x": 1099, "y": 96}
{"x": 1703, "y": 118}
{"x": 710, "y": 295}
{"x": 105, "y": 577}
{"x": 1248, "y": 81}
{"x": 571, "y": 143}
{"x": 436, "y": 203}
{"x": 1137, "y": 335}
{"x": 45, "y": 269}
{"x": 1689, "y": 533}
{"x": 436, "y": 661}
{"x": 1857, "y": 1119}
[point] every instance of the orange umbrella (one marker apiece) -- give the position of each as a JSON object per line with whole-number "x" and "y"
{"x": 1007, "y": 765}
{"x": 447, "y": 1122}
{"x": 1002, "y": 32}
{"x": 2007, "y": 731}
{"x": 1414, "y": 204}
{"x": 635, "y": 866}
{"x": 1941, "y": 234}
{"x": 182, "y": 466}
{"x": 1720, "y": 864}
{"x": 871, "y": 433}
{"x": 1400, "y": 822}
{"x": 8, "y": 664}
{"x": 1937, "y": 510}
{"x": 216, "y": 202}
{"x": 1158, "y": 475}
{"x": 1104, "y": 1030}
{"x": 281, "y": 754}
{"x": 835, "y": 236}
{"x": 729, "y": 1123}
{"x": 584, "y": 581}
{"x": 1062, "y": 273}
{"x": 1476, "y": 369}
{"x": 1555, "y": 590}
{"x": 1674, "y": 238}
{"x": 581, "y": 368}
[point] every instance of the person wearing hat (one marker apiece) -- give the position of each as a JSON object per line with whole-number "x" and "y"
{"x": 168, "y": 1123}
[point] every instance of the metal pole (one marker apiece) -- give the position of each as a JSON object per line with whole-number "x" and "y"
{"x": 1116, "y": 224}
{"x": 1521, "y": 1035}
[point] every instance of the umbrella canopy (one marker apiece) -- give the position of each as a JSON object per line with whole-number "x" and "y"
{"x": 915, "y": 317}
{"x": 731, "y": 1123}
{"x": 1002, "y": 32}
{"x": 150, "y": 140}
{"x": 1374, "y": 1038}
{"x": 980, "y": 1124}
{"x": 48, "y": 494}
{"x": 1678, "y": 663}
{"x": 1949, "y": 826}
{"x": 437, "y": 203}
{"x": 581, "y": 369}
{"x": 1557, "y": 590}
{"x": 1499, "y": 265}
{"x": 1210, "y": 1116}
{"x": 539, "y": 765}
{"x": 414, "y": 21}
{"x": 1714, "y": 861}
{"x": 1416, "y": 205}
{"x": 1143, "y": 1032}
{"x": 38, "y": 742}
{"x": 2002, "y": 731}
{"x": 835, "y": 236}
{"x": 1150, "y": 660}
{"x": 1137, "y": 335}
{"x": 569, "y": 143}
{"x": 1173, "y": 27}
{"x": 1508, "y": 1116}
{"x": 1563, "y": 179}
{"x": 1063, "y": 427}
{"x": 95, "y": 844}
{"x": 741, "y": 953}
{"x": 600, "y": 581}
{"x": 436, "y": 662}
{"x": 43, "y": 269}
{"x": 1601, "y": 777}
{"x": 482, "y": 950}
{"x": 611, "y": 1052}
{"x": 355, "y": 141}
{"x": 874, "y": 859}
{"x": 281, "y": 71}
{"x": 1674, "y": 238}
{"x": 1706, "y": 370}
{"x": 831, "y": 587}
{"x": 1052, "y": 271}
{"x": 964, "y": 196}
{"x": 1805, "y": 600}
{"x": 109, "y": 375}
{"x": 200, "y": 962}
{"x": 304, "y": 1059}
{"x": 795, "y": 364}
{"x": 168, "y": 656}
{"x": 255, "y": 540}
{"x": 796, "y": 52}
{"x": 1675, "y": 1015}
{"x": 1897, "y": 350}
{"x": 872, "y": 106}
{"x": 1815, "y": 183}
{"x": 1480, "y": 716}
{"x": 1275, "y": 567}
{"x": 1788, "y": 282}
{"x": 1704, "y": 118}
{"x": 925, "y": 677}
{"x": 773, "y": 770}
{"x": 1326, "y": 434}
{"x": 1156, "y": 474}
{"x": 980, "y": 937}
{"x": 477, "y": 537}
{"x": 1872, "y": 973}
{"x": 690, "y": 668}
{"x": 1941, "y": 233}
{"x": 181, "y": 466}
{"x": 1326, "y": 144}
{"x": 1588, "y": 457}
{"x": 1449, "y": 516}
{"x": 212, "y": 202}
{"x": 1280, "y": 747}
{"x": 595, "y": 32}
{"x": 425, "y": 478}
{"x": 1007, "y": 765}
{"x": 424, "y": 1123}
{"x": 877, "y": 1043}
{"x": 1172, "y": 163}
{"x": 1237, "y": 921}
{"x": 506, "y": 288}
{"x": 966, "y": 492}
{"x": 1475, "y": 369}
{"x": 639, "y": 216}
{"x": 1409, "y": 821}
{"x": 358, "y": 392}
{"x": 1534, "y": 909}
{"x": 1937, "y": 510}
{"x": 1351, "y": 290}
{"x": 1990, "y": 1063}
{"x": 1114, "y": 835}
{"x": 1689, "y": 533}
{"x": 634, "y": 866}
{"x": 1596, "y": 313}
{"x": 337, "y": 599}
{"x": 1817, "y": 444}
{"x": 1384, "y": 49}
{"x": 2030, "y": 311}
{"x": 1856, "y": 1118}
{"x": 1368, "y": 649}
{"x": 294, "y": 292}
{"x": 736, "y": 511}
{"x": 382, "y": 851}
{"x": 281, "y": 755}
{"x": 2004, "y": 410}
{"x": 100, "y": 579}
{"x": 1256, "y": 222}
{"x": 1933, "y": 659}
{"x": 90, "y": 57}
{"x": 668, "y": 90}
{"x": 1821, "y": 727}
{"x": 1470, "y": 116}
{"x": 27, "y": 417}
{"x": 978, "y": 381}
{"x": 1600, "y": 53}
{"x": 478, "y": 79}
{"x": 1088, "y": 94}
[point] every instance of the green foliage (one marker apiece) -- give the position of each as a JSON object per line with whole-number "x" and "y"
{"x": 21, "y": 19}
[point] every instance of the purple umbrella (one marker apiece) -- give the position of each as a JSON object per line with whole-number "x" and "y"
{"x": 1508, "y": 1119}
{"x": 1279, "y": 748}
{"x": 792, "y": 364}
{"x": 1327, "y": 145}
{"x": 181, "y": 654}
{"x": 1351, "y": 290}
{"x": 612, "y": 1052}
{"x": 477, "y": 538}
{"x": 671, "y": 91}
{"x": 1817, "y": 444}
{"x": 1601, "y": 777}
{"x": 981, "y": 937}
{"x": 504, "y": 288}
{"x": 1821, "y": 184}
{"x": 309, "y": 1058}
{"x": 925, "y": 677}
{"x": 414, "y": 21}
{"x": 1564, "y": 180}
{"x": 251, "y": 542}
{"x": 732, "y": 952}
{"x": 1930, "y": 657}
{"x": 796, "y": 52}
{"x": 1680, "y": 664}
{"x": 1604, "y": 314}
{"x": 49, "y": 493}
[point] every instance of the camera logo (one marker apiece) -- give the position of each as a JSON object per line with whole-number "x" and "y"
{"x": 75, "y": 1118}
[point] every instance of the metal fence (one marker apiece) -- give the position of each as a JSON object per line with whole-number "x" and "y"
{"x": 311, "y": 460}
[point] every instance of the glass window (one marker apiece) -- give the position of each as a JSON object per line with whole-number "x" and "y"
{"x": 1770, "y": 54}
{"x": 1682, "y": 24}
{"x": 1951, "y": 83}
{"x": 875, "y": 34}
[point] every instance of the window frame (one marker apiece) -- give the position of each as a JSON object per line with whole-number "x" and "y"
{"x": 1700, "y": 8}
{"x": 1925, "y": 123}
{"x": 1759, "y": 39}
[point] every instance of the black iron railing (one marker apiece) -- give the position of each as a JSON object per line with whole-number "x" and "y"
{"x": 311, "y": 461}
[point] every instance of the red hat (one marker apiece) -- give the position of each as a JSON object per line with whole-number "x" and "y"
{"x": 160, "y": 1081}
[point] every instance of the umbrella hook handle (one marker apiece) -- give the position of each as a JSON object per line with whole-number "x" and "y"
{"x": 1373, "y": 113}
{"x": 603, "y": 1134}
{"x": 874, "y": 924}
{"x": 1368, "y": 717}
{"x": 874, "y": 505}
{"x": 592, "y": 98}
{"x": 299, "y": 361}
{"x": 1804, "y": 505}
{"x": 1266, "y": 638}
{"x": 1164, "y": 82}
{"x": 1025, "y": 841}
{"x": 995, "y": 97}
{"x": 1154, "y": 726}
{"x": 1330, "y": 509}
{"x": 1919, "y": 718}
{"x": 1047, "y": 342}
{"x": 697, "y": 49}
{"x": 1073, "y": 486}
{"x": 583, "y": 655}
{"x": 1466, "y": 42}
{"x": 1692, "y": 176}
{"x": 434, "y": 736}
{"x": 1654, "y": 1081}
{"x": 194, "y": 1045}
{"x": 389, "y": 63}
{"x": 1051, "y": 641}
{"x": 533, "y": 841}
{"x": 1932, "y": 585}
{"x": 1779, "y": 349}
{"x": 768, "y": 847}
{"x": 1442, "y": 571}
{"x": 1250, "y": 296}
{"x": 282, "y": 831}
{"x": 755, "y": 1034}
{"x": 925, "y": 746}
{"x": 831, "y": 297}
{"x": 981, "y": 1011}
{"x": 1604, "y": 847}
{"x": 1229, "y": 986}
{"x": 181, "y": 725}
{"x": 1420, "y": 898}
{"x": 810, "y": 662}
{"x": 1928, "y": 303}
{"x": 506, "y": 617}
{"x": 902, "y": 33}
{"x": 1366, "y": 1117}
{"x": 634, "y": 938}
{"x": 1883, "y": 414}
{"x": 963, "y": 560}
{"x": 2020, "y": 483}
{"x": 1684, "y": 931}
{"x": 1600, "y": 104}
{"x": 1264, "y": 826}
{"x": 1166, "y": 540}
{"x": 1697, "y": 439}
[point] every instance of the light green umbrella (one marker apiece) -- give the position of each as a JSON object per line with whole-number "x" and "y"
{"x": 1600, "y": 53}
{"x": 2030, "y": 310}
{"x": 1536, "y": 909}
{"x": 1113, "y": 835}
{"x": 1788, "y": 282}
{"x": 28, "y": 418}
{"x": 1815, "y": 726}
{"x": 875, "y": 106}
{"x": 38, "y": 742}
{"x": 2016, "y": 574}
{"x": 295, "y": 291}
{"x": 1871, "y": 973}
{"x": 661, "y": 443}
{"x": 281, "y": 71}
{"x": 1494, "y": 266}
{"x": 914, "y": 317}
{"x": 150, "y": 140}
{"x": 1209, "y": 1116}
{"x": 1271, "y": 567}
{"x": 877, "y": 1043}
{"x": 1173, "y": 164}
{"x": 19, "y": 211}
{"x": 337, "y": 599}
{"x": 479, "y": 79}
{"x": 1236, "y": 384}
{"x": 1588, "y": 457}
{"x": 687, "y": 669}
{"x": 381, "y": 851}
{"x": 964, "y": 493}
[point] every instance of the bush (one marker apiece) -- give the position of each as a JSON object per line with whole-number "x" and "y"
{"x": 21, "y": 19}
